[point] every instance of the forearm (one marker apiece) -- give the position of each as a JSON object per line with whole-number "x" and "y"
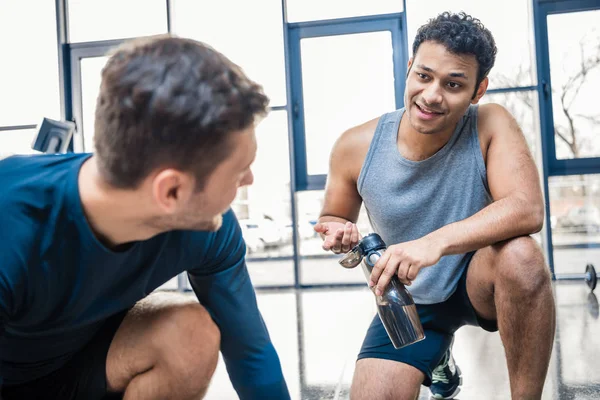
{"x": 506, "y": 218}
{"x": 250, "y": 358}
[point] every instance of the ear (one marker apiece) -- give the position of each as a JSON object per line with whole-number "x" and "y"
{"x": 480, "y": 90}
{"x": 172, "y": 189}
{"x": 410, "y": 62}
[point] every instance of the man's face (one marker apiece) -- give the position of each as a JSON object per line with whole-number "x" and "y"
{"x": 439, "y": 88}
{"x": 204, "y": 209}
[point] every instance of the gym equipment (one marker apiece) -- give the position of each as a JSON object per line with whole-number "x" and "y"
{"x": 591, "y": 278}
{"x": 53, "y": 136}
{"x": 395, "y": 306}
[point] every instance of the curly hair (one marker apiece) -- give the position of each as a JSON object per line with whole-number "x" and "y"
{"x": 461, "y": 34}
{"x": 170, "y": 102}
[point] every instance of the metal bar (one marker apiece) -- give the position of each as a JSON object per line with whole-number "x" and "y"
{"x": 341, "y": 21}
{"x": 17, "y": 127}
{"x": 577, "y": 246}
{"x": 570, "y": 277}
{"x": 546, "y": 125}
{"x": 169, "y": 17}
{"x": 512, "y": 89}
{"x": 324, "y": 286}
{"x": 291, "y": 144}
{"x": 64, "y": 63}
{"x": 278, "y": 108}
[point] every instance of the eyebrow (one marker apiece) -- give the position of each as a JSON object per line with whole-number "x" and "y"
{"x": 451, "y": 74}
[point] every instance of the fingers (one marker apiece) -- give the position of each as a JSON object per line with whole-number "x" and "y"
{"x": 342, "y": 240}
{"x": 378, "y": 269}
{"x": 350, "y": 238}
{"x": 403, "y": 272}
{"x": 321, "y": 227}
{"x": 394, "y": 261}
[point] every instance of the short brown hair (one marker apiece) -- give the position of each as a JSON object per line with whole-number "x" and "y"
{"x": 170, "y": 102}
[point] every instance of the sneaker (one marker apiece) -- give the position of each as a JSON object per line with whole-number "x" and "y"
{"x": 446, "y": 378}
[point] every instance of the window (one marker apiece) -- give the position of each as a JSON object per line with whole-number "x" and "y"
{"x": 250, "y": 35}
{"x": 510, "y": 22}
{"x": 574, "y": 46}
{"x": 264, "y": 208}
{"x": 347, "y": 80}
{"x": 92, "y": 20}
{"x": 29, "y": 88}
{"x": 307, "y": 10}
{"x": 575, "y": 221}
{"x": 16, "y": 142}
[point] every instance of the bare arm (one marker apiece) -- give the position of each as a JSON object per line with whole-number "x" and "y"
{"x": 517, "y": 208}
{"x": 342, "y": 201}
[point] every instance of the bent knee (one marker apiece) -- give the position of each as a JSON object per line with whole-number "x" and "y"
{"x": 189, "y": 345}
{"x": 521, "y": 265}
{"x": 376, "y": 378}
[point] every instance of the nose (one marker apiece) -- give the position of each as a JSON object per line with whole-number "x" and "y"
{"x": 248, "y": 179}
{"x": 432, "y": 94}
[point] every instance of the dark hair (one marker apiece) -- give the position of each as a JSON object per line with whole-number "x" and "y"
{"x": 461, "y": 34}
{"x": 173, "y": 102}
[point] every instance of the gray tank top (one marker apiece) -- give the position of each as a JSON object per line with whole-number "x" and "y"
{"x": 406, "y": 200}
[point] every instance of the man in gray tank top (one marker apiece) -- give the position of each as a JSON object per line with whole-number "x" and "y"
{"x": 453, "y": 190}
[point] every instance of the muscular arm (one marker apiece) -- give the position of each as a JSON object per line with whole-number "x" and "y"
{"x": 223, "y": 286}
{"x": 518, "y": 206}
{"x": 342, "y": 201}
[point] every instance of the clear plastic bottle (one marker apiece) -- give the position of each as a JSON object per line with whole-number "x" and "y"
{"x": 395, "y": 306}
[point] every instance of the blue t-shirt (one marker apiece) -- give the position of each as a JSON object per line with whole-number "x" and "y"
{"x": 58, "y": 283}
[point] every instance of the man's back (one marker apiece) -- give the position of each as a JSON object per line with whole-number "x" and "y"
{"x": 58, "y": 282}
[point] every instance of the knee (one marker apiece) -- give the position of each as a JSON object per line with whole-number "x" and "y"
{"x": 521, "y": 266}
{"x": 189, "y": 347}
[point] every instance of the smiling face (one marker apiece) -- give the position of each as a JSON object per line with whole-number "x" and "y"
{"x": 439, "y": 88}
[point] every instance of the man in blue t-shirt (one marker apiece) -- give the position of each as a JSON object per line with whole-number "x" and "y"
{"x": 84, "y": 240}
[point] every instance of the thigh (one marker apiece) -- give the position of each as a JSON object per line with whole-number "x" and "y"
{"x": 422, "y": 356}
{"x": 385, "y": 380}
{"x": 153, "y": 331}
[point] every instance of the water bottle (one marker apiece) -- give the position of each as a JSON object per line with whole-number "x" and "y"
{"x": 395, "y": 306}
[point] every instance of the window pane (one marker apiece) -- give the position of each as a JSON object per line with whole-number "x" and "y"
{"x": 334, "y": 326}
{"x": 317, "y": 265}
{"x": 575, "y": 218}
{"x": 524, "y": 107}
{"x": 264, "y": 208}
{"x": 254, "y": 43}
{"x": 514, "y": 62}
{"x": 347, "y": 80}
{"x": 574, "y": 43}
{"x": 29, "y": 87}
{"x": 309, "y": 10}
{"x": 91, "y": 20}
{"x": 16, "y": 142}
{"x": 91, "y": 69}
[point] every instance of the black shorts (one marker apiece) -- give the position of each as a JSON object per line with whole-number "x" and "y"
{"x": 439, "y": 321}
{"x": 83, "y": 377}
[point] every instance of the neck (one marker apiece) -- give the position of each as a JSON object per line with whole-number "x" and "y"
{"x": 417, "y": 146}
{"x": 114, "y": 215}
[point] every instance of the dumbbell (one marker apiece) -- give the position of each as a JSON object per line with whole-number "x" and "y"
{"x": 590, "y": 276}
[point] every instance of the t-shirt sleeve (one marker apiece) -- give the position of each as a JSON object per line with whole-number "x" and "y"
{"x": 223, "y": 286}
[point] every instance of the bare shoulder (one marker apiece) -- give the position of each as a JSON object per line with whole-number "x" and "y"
{"x": 352, "y": 146}
{"x": 494, "y": 119}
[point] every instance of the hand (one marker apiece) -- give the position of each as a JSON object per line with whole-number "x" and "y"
{"x": 405, "y": 260}
{"x": 338, "y": 237}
